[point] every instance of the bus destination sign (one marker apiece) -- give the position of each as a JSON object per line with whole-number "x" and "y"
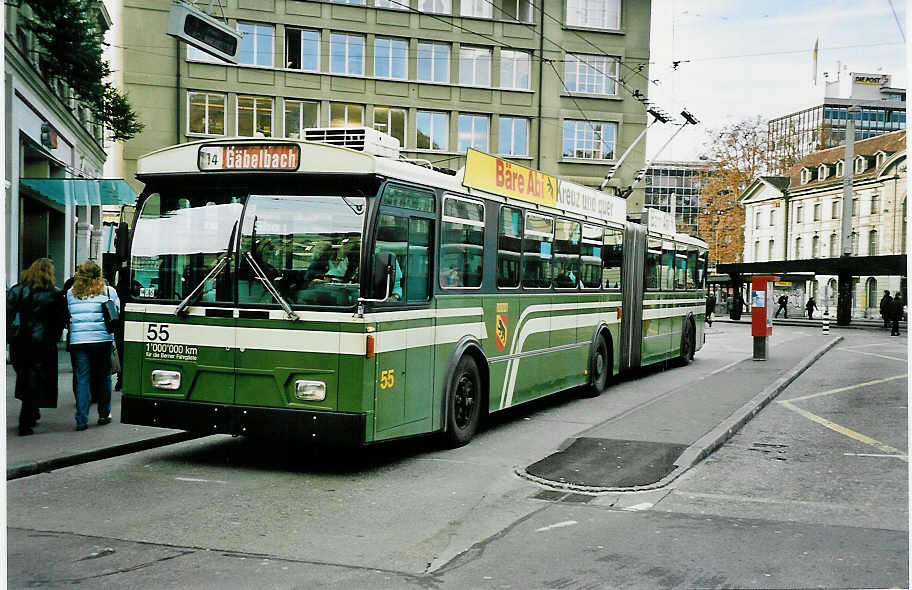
{"x": 249, "y": 157}
{"x": 588, "y": 201}
{"x": 507, "y": 179}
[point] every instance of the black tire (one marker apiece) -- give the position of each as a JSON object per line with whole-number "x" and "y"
{"x": 600, "y": 370}
{"x": 463, "y": 403}
{"x": 688, "y": 344}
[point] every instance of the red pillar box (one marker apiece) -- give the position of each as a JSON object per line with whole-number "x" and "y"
{"x": 762, "y": 306}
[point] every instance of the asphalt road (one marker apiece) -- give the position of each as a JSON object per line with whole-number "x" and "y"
{"x": 789, "y": 502}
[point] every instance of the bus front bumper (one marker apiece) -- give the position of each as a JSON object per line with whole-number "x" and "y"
{"x": 335, "y": 428}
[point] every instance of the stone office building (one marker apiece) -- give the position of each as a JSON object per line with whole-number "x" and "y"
{"x": 548, "y": 85}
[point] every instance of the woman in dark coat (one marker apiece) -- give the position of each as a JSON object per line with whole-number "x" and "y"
{"x": 41, "y": 312}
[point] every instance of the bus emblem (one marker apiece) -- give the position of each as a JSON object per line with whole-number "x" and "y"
{"x": 501, "y": 331}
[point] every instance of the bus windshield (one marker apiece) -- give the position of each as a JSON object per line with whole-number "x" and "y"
{"x": 307, "y": 247}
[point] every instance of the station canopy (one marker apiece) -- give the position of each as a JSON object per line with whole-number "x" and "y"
{"x": 87, "y": 192}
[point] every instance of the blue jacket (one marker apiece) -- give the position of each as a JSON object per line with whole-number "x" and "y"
{"x": 86, "y": 322}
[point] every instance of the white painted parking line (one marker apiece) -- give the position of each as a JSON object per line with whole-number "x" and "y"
{"x": 198, "y": 480}
{"x": 639, "y": 507}
{"x": 883, "y": 356}
{"x": 847, "y": 431}
{"x": 841, "y": 389}
{"x": 873, "y": 455}
{"x": 557, "y": 525}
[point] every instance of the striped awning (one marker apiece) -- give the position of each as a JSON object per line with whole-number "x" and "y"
{"x": 82, "y": 191}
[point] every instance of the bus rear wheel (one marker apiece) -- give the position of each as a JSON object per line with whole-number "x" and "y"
{"x": 463, "y": 403}
{"x": 601, "y": 369}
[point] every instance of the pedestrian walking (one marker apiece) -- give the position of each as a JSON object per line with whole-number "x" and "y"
{"x": 783, "y": 303}
{"x": 35, "y": 316}
{"x": 90, "y": 342}
{"x": 810, "y": 306}
{"x": 896, "y": 313}
{"x": 710, "y": 307}
{"x": 886, "y": 304}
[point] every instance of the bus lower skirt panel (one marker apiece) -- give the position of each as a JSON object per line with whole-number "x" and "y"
{"x": 336, "y": 428}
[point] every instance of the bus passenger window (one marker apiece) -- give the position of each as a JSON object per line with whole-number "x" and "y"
{"x": 509, "y": 246}
{"x": 680, "y": 267}
{"x": 591, "y": 257}
{"x": 536, "y": 258}
{"x": 612, "y": 257}
{"x": 566, "y": 253}
{"x": 666, "y": 271}
{"x": 461, "y": 243}
{"x": 653, "y": 263}
{"x": 692, "y": 271}
{"x": 419, "y": 261}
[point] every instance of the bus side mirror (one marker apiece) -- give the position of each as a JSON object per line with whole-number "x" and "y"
{"x": 382, "y": 277}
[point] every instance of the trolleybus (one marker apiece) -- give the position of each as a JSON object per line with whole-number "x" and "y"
{"x": 327, "y": 290}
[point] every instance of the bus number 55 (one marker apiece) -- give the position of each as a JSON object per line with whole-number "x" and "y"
{"x": 157, "y": 332}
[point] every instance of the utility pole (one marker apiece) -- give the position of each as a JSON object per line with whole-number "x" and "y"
{"x": 844, "y": 301}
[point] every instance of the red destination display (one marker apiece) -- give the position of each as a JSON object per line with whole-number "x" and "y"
{"x": 249, "y": 157}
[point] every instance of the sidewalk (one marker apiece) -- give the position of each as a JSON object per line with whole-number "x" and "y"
{"x": 817, "y": 322}
{"x": 649, "y": 446}
{"x": 56, "y": 444}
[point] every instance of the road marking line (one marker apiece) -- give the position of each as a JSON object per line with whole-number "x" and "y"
{"x": 841, "y": 389}
{"x": 638, "y": 507}
{"x": 758, "y": 500}
{"x": 847, "y": 432}
{"x": 558, "y": 525}
{"x": 870, "y": 345}
{"x": 196, "y": 479}
{"x": 872, "y": 455}
{"x": 883, "y": 356}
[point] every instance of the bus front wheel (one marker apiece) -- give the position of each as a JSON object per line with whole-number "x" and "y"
{"x": 464, "y": 403}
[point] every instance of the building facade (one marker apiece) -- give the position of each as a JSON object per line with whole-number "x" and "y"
{"x": 823, "y": 126}
{"x": 675, "y": 187}
{"x": 54, "y": 160}
{"x": 547, "y": 85}
{"x": 798, "y": 217}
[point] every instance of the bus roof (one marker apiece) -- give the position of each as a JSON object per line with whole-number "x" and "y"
{"x": 257, "y": 155}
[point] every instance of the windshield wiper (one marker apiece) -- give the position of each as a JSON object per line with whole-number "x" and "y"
{"x": 217, "y": 267}
{"x": 267, "y": 284}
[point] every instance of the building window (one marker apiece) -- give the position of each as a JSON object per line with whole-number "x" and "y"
{"x": 822, "y": 171}
{"x": 515, "y": 67}
{"x": 875, "y": 203}
{"x": 391, "y": 58}
{"x": 433, "y": 130}
{"x": 254, "y": 116}
{"x": 518, "y": 10}
{"x": 840, "y": 168}
{"x": 346, "y": 115}
{"x": 872, "y": 243}
{"x": 590, "y": 141}
{"x": 435, "y": 6}
{"x": 394, "y": 4}
{"x": 769, "y": 255}
{"x": 854, "y": 243}
{"x": 357, "y": 2}
{"x": 475, "y": 66}
{"x": 817, "y": 208}
{"x": 596, "y": 14}
{"x": 391, "y": 120}
{"x": 799, "y": 213}
{"x": 854, "y": 207}
{"x": 300, "y": 115}
{"x": 815, "y": 246}
{"x": 872, "y": 292}
{"x": 206, "y": 113}
{"x": 757, "y": 251}
{"x": 834, "y": 246}
{"x": 797, "y": 248}
{"x": 834, "y": 211}
{"x": 433, "y": 62}
{"x": 477, "y": 8}
{"x": 256, "y": 44}
{"x": 757, "y": 219}
{"x": 513, "y": 136}
{"x": 346, "y": 54}
{"x": 859, "y": 165}
{"x": 805, "y": 176}
{"x": 591, "y": 74}
{"x": 772, "y": 217}
{"x": 473, "y": 132}
{"x": 302, "y": 49}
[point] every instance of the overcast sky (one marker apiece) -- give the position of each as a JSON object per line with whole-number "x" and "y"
{"x": 721, "y": 78}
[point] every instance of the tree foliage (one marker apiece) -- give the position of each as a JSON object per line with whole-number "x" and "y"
{"x": 70, "y": 41}
{"x": 735, "y": 156}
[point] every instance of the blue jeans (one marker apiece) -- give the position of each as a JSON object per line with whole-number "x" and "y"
{"x": 92, "y": 367}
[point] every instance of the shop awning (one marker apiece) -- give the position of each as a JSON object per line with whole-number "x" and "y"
{"x": 82, "y": 191}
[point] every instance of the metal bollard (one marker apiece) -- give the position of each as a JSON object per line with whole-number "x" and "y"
{"x": 825, "y": 325}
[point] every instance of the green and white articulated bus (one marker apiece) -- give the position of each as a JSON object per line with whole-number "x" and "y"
{"x": 327, "y": 290}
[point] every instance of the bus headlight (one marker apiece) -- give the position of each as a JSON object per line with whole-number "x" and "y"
{"x": 310, "y": 391}
{"x": 166, "y": 379}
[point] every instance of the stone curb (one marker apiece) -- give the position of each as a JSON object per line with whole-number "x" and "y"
{"x": 709, "y": 442}
{"x": 20, "y": 470}
{"x": 816, "y": 324}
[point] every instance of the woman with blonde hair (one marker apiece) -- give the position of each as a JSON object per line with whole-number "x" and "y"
{"x": 90, "y": 342}
{"x": 35, "y": 316}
